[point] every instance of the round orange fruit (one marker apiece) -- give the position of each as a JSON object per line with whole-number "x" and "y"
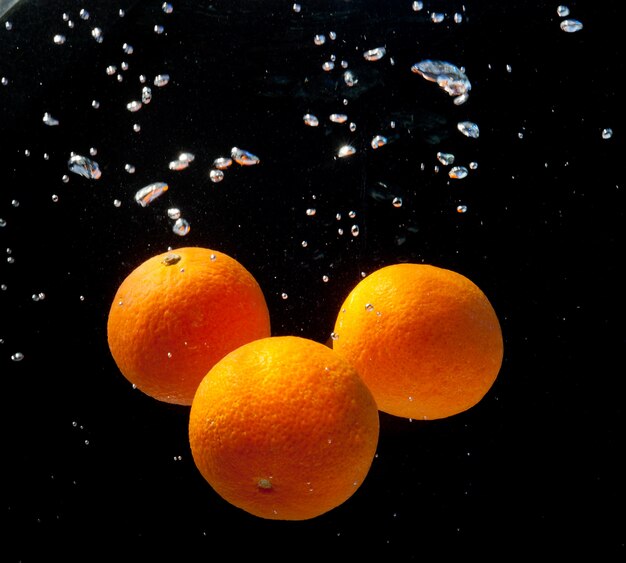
{"x": 426, "y": 340}
{"x": 177, "y": 314}
{"x": 284, "y": 428}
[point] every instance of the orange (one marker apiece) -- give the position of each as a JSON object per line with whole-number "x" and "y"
{"x": 426, "y": 340}
{"x": 177, "y": 314}
{"x": 284, "y": 428}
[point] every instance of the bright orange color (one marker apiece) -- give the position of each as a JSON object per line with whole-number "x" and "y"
{"x": 177, "y": 314}
{"x": 284, "y": 428}
{"x": 426, "y": 340}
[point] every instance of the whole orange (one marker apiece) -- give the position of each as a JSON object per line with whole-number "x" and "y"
{"x": 284, "y": 428}
{"x": 426, "y": 340}
{"x": 177, "y": 314}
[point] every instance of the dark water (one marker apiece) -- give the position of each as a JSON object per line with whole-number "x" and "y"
{"x": 535, "y": 463}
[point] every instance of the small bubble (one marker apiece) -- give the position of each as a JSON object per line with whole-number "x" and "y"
{"x": 117, "y": 203}
{"x": 158, "y": 29}
{"x": 319, "y": 39}
{"x": 216, "y": 176}
{"x": 161, "y": 80}
{"x": 296, "y": 8}
{"x": 374, "y": 54}
{"x": 17, "y": 357}
{"x": 325, "y": 278}
{"x": 304, "y": 244}
{"x": 571, "y": 26}
{"x": 311, "y": 211}
{"x": 355, "y": 230}
{"x": 607, "y": 133}
{"x": 310, "y": 120}
{"x": 134, "y": 106}
{"x": 346, "y": 150}
{"x": 369, "y": 307}
{"x": 173, "y": 213}
{"x": 338, "y": 117}
{"x": 59, "y": 39}
{"x": 167, "y": 7}
{"x": 284, "y": 295}
{"x": 461, "y": 208}
{"x": 181, "y": 227}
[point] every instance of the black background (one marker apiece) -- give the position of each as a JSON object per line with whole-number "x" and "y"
{"x": 536, "y": 467}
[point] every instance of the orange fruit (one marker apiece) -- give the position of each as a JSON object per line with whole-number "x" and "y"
{"x": 426, "y": 340}
{"x": 283, "y": 428}
{"x": 177, "y": 314}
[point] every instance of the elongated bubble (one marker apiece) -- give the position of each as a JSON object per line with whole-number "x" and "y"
{"x": 146, "y": 195}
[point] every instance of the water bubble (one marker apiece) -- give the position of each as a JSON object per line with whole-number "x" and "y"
{"x": 146, "y": 95}
{"x": 296, "y": 8}
{"x": 319, "y": 39}
{"x": 134, "y": 106}
{"x": 243, "y": 157}
{"x": 84, "y": 14}
{"x": 173, "y": 213}
{"x": 84, "y": 166}
{"x": 158, "y": 29}
{"x": 445, "y": 158}
{"x": 571, "y": 26}
{"x": 448, "y": 77}
{"x": 607, "y": 133}
{"x": 355, "y": 230}
{"x": 128, "y": 49}
{"x": 216, "y": 176}
{"x": 458, "y": 172}
{"x": 310, "y": 120}
{"x": 96, "y": 33}
{"x": 325, "y": 278}
{"x": 379, "y": 141}
{"x": 469, "y": 129}
{"x": 349, "y": 78}
{"x": 461, "y": 208}
{"x": 17, "y": 357}
{"x": 346, "y": 150}
{"x": 284, "y": 295}
{"x": 417, "y": 5}
{"x": 129, "y": 168}
{"x": 374, "y": 54}
{"x": 338, "y": 117}
{"x": 369, "y": 307}
{"x": 181, "y": 227}
{"x": 311, "y": 211}
{"x": 562, "y": 11}
{"x": 59, "y": 39}
{"x": 149, "y": 193}
{"x": 328, "y": 66}
{"x": 167, "y": 8}
{"x": 161, "y": 80}
{"x": 95, "y": 104}
{"x": 396, "y": 202}
{"x": 222, "y": 163}
{"x": 49, "y": 120}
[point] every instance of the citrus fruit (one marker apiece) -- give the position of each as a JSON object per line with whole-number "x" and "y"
{"x": 426, "y": 340}
{"x": 177, "y": 314}
{"x": 283, "y": 428}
